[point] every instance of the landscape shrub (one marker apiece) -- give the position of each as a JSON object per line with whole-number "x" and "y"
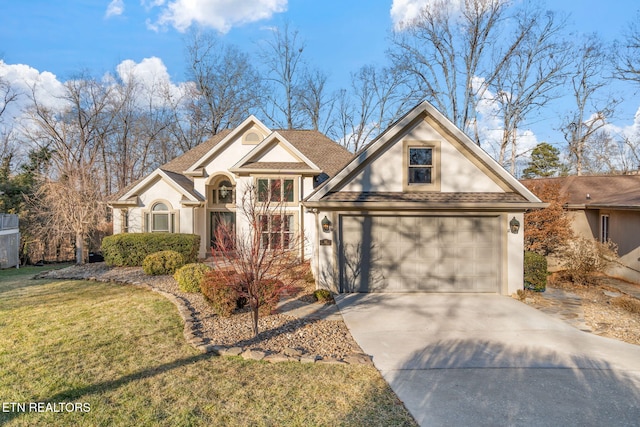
{"x": 130, "y": 249}
{"x": 582, "y": 257}
{"x": 190, "y": 275}
{"x": 269, "y": 296}
{"x": 215, "y": 286}
{"x": 163, "y": 262}
{"x": 535, "y": 272}
{"x": 322, "y": 295}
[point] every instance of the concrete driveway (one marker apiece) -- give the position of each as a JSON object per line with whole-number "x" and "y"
{"x": 488, "y": 360}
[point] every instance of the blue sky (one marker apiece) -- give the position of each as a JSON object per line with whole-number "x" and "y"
{"x": 64, "y": 37}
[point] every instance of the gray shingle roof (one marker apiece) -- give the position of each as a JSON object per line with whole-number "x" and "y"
{"x": 323, "y": 152}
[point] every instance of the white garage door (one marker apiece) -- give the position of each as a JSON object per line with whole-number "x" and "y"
{"x": 419, "y": 254}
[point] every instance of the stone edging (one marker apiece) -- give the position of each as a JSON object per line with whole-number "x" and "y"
{"x": 190, "y": 333}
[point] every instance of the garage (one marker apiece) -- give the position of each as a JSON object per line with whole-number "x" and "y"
{"x": 394, "y": 253}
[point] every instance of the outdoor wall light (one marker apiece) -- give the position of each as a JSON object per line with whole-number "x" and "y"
{"x": 514, "y": 225}
{"x": 326, "y": 224}
{"x": 224, "y": 191}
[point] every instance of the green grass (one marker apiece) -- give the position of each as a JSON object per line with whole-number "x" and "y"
{"x": 120, "y": 349}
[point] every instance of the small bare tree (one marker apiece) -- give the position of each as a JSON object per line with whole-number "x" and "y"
{"x": 72, "y": 205}
{"x": 258, "y": 256}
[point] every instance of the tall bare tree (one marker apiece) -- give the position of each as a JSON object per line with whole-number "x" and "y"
{"x": 316, "y": 103}
{"x": 531, "y": 76}
{"x": 75, "y": 133}
{"x": 283, "y": 59}
{"x": 592, "y": 111}
{"x": 140, "y": 138}
{"x": 627, "y": 62}
{"x": 376, "y": 98}
{"x": 444, "y": 49}
{"x": 224, "y": 89}
{"x": 8, "y": 146}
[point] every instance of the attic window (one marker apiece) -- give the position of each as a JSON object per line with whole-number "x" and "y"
{"x": 421, "y": 166}
{"x": 252, "y": 138}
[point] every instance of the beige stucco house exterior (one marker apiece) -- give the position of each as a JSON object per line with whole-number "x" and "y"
{"x": 605, "y": 208}
{"x": 422, "y": 208}
{"x": 202, "y": 189}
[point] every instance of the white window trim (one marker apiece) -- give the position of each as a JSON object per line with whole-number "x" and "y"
{"x": 174, "y": 218}
{"x": 604, "y": 228}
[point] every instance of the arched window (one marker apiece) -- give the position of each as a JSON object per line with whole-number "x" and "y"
{"x": 252, "y": 138}
{"x": 160, "y": 219}
{"x": 221, "y": 192}
{"x": 225, "y": 192}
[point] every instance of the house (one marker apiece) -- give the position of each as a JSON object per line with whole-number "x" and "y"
{"x": 199, "y": 190}
{"x": 605, "y": 208}
{"x": 422, "y": 208}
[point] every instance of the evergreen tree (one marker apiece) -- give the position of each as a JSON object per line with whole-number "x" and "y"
{"x": 545, "y": 162}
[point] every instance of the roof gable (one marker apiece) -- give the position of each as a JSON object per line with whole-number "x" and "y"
{"x": 250, "y": 122}
{"x": 179, "y": 182}
{"x": 423, "y": 124}
{"x": 275, "y": 153}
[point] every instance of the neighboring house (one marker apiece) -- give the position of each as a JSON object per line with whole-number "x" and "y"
{"x": 9, "y": 241}
{"x": 422, "y": 208}
{"x": 199, "y": 190}
{"x": 606, "y": 208}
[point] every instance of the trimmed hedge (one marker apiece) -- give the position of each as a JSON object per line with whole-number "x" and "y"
{"x": 163, "y": 262}
{"x": 535, "y": 272}
{"x": 130, "y": 249}
{"x": 190, "y": 276}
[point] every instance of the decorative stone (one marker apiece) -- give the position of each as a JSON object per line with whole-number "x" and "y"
{"x": 308, "y": 358}
{"x": 253, "y": 355}
{"x": 612, "y": 294}
{"x": 279, "y": 357}
{"x": 331, "y": 361}
{"x": 233, "y": 351}
{"x": 292, "y": 352}
{"x": 358, "y": 359}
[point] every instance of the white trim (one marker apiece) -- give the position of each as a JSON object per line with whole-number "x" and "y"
{"x": 163, "y": 176}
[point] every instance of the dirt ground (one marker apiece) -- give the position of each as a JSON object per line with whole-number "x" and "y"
{"x": 607, "y": 311}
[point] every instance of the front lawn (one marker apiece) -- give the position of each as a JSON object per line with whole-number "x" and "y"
{"x": 119, "y": 351}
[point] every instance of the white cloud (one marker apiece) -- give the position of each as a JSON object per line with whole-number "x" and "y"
{"x": 152, "y": 80}
{"x": 220, "y": 15}
{"x": 404, "y": 11}
{"x": 115, "y": 8}
{"x": 25, "y": 81}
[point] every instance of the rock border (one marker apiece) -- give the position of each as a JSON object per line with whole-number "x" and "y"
{"x": 193, "y": 337}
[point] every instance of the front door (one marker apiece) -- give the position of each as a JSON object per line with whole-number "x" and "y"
{"x": 222, "y": 226}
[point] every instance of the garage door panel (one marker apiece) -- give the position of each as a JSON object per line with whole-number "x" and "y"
{"x": 419, "y": 253}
